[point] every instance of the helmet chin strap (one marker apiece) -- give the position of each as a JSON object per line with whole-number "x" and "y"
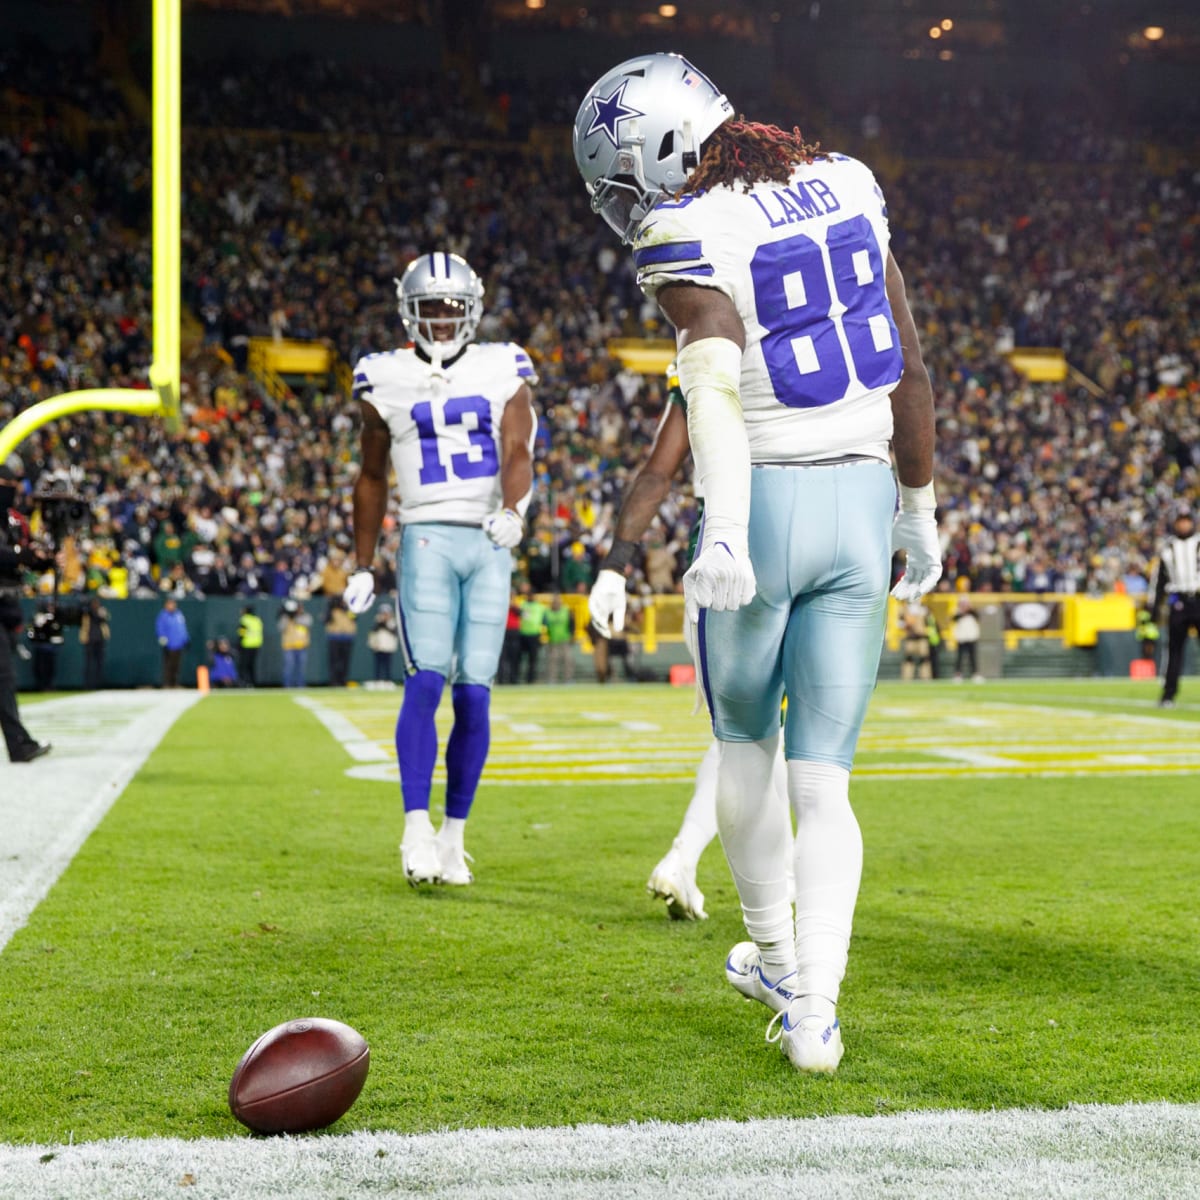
{"x": 690, "y": 158}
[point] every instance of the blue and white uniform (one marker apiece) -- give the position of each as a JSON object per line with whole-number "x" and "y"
{"x": 805, "y": 265}
{"x": 445, "y": 431}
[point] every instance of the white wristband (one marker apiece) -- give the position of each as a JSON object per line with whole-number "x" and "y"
{"x": 918, "y": 499}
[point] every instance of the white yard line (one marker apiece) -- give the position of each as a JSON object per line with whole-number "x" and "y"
{"x": 50, "y": 806}
{"x": 1086, "y": 1152}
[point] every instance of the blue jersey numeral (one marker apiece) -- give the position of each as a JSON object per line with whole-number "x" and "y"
{"x": 465, "y": 464}
{"x": 806, "y": 359}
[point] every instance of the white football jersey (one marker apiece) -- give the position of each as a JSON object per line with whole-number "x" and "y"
{"x": 805, "y": 265}
{"x": 445, "y": 426}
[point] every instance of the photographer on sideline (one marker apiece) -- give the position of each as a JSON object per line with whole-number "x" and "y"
{"x": 17, "y": 555}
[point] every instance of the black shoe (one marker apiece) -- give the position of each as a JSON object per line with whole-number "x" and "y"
{"x": 32, "y": 751}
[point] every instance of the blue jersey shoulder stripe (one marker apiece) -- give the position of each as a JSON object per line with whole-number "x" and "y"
{"x": 668, "y": 252}
{"x": 704, "y": 269}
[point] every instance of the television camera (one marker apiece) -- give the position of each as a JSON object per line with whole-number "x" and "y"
{"x": 62, "y": 512}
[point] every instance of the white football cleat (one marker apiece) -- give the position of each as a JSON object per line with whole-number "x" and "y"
{"x": 673, "y": 882}
{"x": 811, "y": 1041}
{"x": 419, "y": 854}
{"x": 743, "y": 969}
{"x": 454, "y": 869}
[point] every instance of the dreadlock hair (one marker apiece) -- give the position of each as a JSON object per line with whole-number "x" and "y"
{"x": 747, "y": 152}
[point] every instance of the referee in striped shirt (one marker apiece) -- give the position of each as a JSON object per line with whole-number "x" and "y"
{"x": 1178, "y": 584}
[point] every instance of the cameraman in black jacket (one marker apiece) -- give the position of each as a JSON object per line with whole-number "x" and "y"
{"x": 16, "y": 557}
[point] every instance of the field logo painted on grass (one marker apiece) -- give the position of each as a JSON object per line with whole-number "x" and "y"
{"x": 649, "y": 736}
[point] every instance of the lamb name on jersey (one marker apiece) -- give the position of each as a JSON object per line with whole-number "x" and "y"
{"x": 804, "y": 263}
{"x": 445, "y": 426}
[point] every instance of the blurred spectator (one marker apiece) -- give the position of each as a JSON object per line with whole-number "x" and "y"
{"x": 295, "y": 636}
{"x": 560, "y": 641}
{"x": 383, "y": 642}
{"x": 250, "y": 640}
{"x": 933, "y": 633}
{"x": 914, "y": 643}
{"x": 170, "y": 628}
{"x": 46, "y": 639}
{"x": 340, "y": 630}
{"x": 1147, "y": 634}
{"x": 510, "y": 651}
{"x": 965, "y": 625}
{"x": 531, "y": 623}
{"x": 94, "y": 633}
{"x": 222, "y": 673}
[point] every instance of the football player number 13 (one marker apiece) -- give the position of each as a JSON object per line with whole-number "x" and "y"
{"x": 809, "y": 363}
{"x": 478, "y": 461}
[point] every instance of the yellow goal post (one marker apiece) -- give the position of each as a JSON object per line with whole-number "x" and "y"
{"x": 162, "y": 398}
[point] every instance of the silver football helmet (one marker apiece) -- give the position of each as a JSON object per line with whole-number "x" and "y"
{"x": 639, "y": 132}
{"x": 440, "y": 295}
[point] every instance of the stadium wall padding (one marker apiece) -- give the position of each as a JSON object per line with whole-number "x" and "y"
{"x": 135, "y": 660}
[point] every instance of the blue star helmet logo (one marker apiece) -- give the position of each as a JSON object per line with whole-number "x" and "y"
{"x": 610, "y": 112}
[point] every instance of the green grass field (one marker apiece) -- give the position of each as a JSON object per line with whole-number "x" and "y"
{"x": 1027, "y": 933}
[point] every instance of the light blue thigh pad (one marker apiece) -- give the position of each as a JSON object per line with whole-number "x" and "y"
{"x": 821, "y": 545}
{"x": 453, "y": 603}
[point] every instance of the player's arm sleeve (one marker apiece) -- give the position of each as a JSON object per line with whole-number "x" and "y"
{"x": 668, "y": 249}
{"x": 364, "y": 387}
{"x": 523, "y": 364}
{"x": 711, "y": 338}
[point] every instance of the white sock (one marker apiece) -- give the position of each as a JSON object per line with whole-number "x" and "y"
{"x": 451, "y": 832}
{"x": 417, "y": 822}
{"x": 779, "y": 780}
{"x": 828, "y": 870}
{"x": 756, "y": 834}
{"x": 779, "y": 775}
{"x": 700, "y": 821}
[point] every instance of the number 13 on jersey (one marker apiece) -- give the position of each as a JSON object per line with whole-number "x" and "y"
{"x": 434, "y": 421}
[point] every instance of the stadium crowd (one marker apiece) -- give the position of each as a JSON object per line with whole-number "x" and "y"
{"x": 295, "y": 226}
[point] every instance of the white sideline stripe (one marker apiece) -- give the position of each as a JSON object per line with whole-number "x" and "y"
{"x": 51, "y": 806}
{"x": 352, "y": 739}
{"x": 1085, "y": 1152}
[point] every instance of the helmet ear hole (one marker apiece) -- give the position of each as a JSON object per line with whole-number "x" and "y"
{"x": 667, "y": 146}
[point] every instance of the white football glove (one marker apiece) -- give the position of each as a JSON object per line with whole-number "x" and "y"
{"x": 719, "y": 579}
{"x": 916, "y": 533}
{"x": 360, "y": 592}
{"x": 606, "y": 603}
{"x": 504, "y": 527}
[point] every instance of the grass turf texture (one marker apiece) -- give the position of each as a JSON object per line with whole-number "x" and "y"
{"x": 1020, "y": 941}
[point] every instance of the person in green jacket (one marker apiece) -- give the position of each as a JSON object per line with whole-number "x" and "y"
{"x": 250, "y": 640}
{"x": 560, "y": 633}
{"x": 934, "y": 632}
{"x": 1147, "y": 634}
{"x": 532, "y": 622}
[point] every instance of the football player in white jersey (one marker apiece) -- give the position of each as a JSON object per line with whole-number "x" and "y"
{"x": 673, "y": 878}
{"x": 456, "y": 420}
{"x": 803, "y": 374}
